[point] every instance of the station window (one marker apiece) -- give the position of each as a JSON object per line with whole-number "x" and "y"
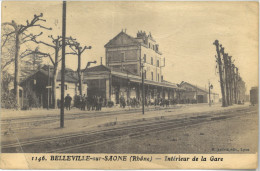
{"x": 158, "y": 63}
{"x": 144, "y": 74}
{"x": 151, "y": 60}
{"x": 144, "y": 57}
{"x": 152, "y": 75}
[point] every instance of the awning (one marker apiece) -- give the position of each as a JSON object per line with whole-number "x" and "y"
{"x": 138, "y": 79}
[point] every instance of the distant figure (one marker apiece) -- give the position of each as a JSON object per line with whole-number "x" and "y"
{"x": 99, "y": 103}
{"x": 68, "y": 102}
{"x": 83, "y": 102}
{"x": 122, "y": 102}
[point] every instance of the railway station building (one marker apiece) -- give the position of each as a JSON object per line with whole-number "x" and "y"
{"x": 121, "y": 76}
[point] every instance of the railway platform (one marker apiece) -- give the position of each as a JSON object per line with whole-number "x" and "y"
{"x": 41, "y": 124}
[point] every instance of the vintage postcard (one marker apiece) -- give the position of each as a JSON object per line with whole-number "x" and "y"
{"x": 129, "y": 85}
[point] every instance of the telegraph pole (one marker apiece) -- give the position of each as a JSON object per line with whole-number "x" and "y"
{"x": 48, "y": 87}
{"x": 63, "y": 64}
{"x": 235, "y": 84}
{"x": 230, "y": 79}
{"x": 210, "y": 87}
{"x": 142, "y": 88}
{"x": 142, "y": 70}
{"x": 216, "y": 43}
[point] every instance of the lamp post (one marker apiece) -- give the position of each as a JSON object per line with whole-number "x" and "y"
{"x": 142, "y": 68}
{"x": 210, "y": 87}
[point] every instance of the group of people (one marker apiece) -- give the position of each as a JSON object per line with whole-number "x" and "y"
{"x": 96, "y": 102}
{"x": 91, "y": 102}
{"x": 134, "y": 102}
{"x": 84, "y": 102}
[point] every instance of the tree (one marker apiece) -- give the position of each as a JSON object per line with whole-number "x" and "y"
{"x": 7, "y": 47}
{"x": 220, "y": 67}
{"x": 56, "y": 46}
{"x": 32, "y": 63}
{"x": 19, "y": 32}
{"x": 226, "y": 76}
{"x": 78, "y": 50}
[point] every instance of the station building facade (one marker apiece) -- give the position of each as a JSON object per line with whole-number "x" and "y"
{"x": 121, "y": 76}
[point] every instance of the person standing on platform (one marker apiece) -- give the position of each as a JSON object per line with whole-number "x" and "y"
{"x": 68, "y": 102}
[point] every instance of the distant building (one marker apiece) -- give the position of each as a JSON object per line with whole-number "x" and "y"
{"x": 196, "y": 94}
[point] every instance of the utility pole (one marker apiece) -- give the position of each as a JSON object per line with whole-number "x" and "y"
{"x": 142, "y": 89}
{"x": 48, "y": 87}
{"x": 142, "y": 70}
{"x": 216, "y": 43}
{"x": 235, "y": 84}
{"x": 230, "y": 79}
{"x": 63, "y": 64}
{"x": 210, "y": 87}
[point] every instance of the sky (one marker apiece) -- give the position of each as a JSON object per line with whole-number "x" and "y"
{"x": 185, "y": 32}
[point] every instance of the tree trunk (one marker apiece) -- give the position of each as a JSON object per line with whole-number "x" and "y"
{"x": 79, "y": 74}
{"x": 226, "y": 78}
{"x": 17, "y": 69}
{"x": 54, "y": 81}
{"x": 224, "y": 104}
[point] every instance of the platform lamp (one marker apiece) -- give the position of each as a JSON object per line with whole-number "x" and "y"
{"x": 210, "y": 87}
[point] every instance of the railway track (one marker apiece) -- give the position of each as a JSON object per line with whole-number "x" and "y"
{"x": 17, "y": 124}
{"x": 72, "y": 142}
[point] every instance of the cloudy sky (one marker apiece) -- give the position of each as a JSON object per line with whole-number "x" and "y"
{"x": 185, "y": 32}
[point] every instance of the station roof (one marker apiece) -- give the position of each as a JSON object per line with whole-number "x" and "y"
{"x": 196, "y": 87}
{"x": 70, "y": 75}
{"x": 131, "y": 77}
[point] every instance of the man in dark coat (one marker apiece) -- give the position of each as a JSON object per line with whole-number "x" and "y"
{"x": 68, "y": 101}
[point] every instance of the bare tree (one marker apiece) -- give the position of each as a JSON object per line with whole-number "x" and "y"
{"x": 19, "y": 31}
{"x": 56, "y": 45}
{"x": 78, "y": 50}
{"x": 220, "y": 67}
{"x": 32, "y": 62}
